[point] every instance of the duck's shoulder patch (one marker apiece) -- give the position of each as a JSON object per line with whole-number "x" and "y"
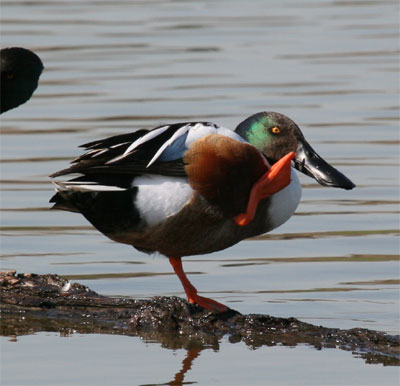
{"x": 223, "y": 171}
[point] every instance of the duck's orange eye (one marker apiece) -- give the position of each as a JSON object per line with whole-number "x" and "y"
{"x": 276, "y": 130}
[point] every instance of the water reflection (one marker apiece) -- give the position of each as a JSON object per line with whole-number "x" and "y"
{"x": 191, "y": 355}
{"x": 126, "y": 364}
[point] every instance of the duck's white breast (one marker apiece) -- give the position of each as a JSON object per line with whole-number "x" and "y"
{"x": 284, "y": 203}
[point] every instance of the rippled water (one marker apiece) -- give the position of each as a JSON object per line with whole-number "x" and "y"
{"x": 115, "y": 66}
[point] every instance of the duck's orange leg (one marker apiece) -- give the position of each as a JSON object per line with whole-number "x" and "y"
{"x": 274, "y": 180}
{"x": 191, "y": 291}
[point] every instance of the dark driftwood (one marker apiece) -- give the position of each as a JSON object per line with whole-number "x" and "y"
{"x": 32, "y": 303}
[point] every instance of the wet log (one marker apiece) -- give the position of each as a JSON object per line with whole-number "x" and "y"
{"x": 31, "y": 303}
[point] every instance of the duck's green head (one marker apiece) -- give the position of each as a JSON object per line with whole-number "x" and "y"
{"x": 275, "y": 135}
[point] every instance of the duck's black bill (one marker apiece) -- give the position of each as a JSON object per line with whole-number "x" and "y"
{"x": 310, "y": 163}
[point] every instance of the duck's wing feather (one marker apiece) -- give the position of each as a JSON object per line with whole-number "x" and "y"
{"x": 157, "y": 151}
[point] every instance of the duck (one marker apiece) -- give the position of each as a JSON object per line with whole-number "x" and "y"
{"x": 193, "y": 188}
{"x": 20, "y": 71}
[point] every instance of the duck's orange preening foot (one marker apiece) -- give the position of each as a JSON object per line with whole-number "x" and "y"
{"x": 191, "y": 291}
{"x": 274, "y": 180}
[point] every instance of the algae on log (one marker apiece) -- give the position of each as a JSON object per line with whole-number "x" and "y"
{"x": 32, "y": 303}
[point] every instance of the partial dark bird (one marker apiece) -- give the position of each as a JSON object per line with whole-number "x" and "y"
{"x": 20, "y": 72}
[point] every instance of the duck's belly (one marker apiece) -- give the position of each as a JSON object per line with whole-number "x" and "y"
{"x": 178, "y": 222}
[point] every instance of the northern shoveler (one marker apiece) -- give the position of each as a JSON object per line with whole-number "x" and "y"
{"x": 193, "y": 188}
{"x": 20, "y": 72}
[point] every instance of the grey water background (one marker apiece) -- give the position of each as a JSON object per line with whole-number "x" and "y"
{"x": 116, "y": 66}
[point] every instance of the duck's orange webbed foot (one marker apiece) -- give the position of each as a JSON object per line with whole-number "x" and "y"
{"x": 191, "y": 291}
{"x": 274, "y": 180}
{"x": 207, "y": 303}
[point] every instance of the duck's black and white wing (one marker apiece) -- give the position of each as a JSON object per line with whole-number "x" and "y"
{"x": 158, "y": 151}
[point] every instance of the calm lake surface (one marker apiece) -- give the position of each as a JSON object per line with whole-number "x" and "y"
{"x": 117, "y": 66}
